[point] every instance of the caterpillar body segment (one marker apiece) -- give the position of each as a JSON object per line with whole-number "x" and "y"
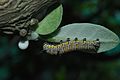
{"x": 73, "y": 45}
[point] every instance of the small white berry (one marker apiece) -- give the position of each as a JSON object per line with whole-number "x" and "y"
{"x": 33, "y": 36}
{"x": 23, "y": 44}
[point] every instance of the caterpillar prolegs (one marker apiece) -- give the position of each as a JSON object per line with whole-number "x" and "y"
{"x": 72, "y": 45}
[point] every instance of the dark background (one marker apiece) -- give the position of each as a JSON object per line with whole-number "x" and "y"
{"x": 32, "y": 64}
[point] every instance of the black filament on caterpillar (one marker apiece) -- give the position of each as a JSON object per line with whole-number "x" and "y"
{"x": 72, "y": 45}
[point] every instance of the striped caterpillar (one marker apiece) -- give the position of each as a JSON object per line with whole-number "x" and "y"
{"x": 72, "y": 45}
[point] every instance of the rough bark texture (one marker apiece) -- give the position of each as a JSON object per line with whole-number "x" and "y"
{"x": 17, "y": 14}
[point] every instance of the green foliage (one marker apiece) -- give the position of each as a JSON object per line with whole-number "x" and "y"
{"x": 89, "y": 31}
{"x": 61, "y": 74}
{"x": 4, "y": 73}
{"x": 51, "y": 22}
{"x": 6, "y": 47}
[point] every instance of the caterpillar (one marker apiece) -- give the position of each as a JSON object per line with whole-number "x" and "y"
{"x": 72, "y": 45}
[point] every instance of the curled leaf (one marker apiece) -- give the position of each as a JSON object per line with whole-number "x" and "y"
{"x": 51, "y": 22}
{"x": 108, "y": 39}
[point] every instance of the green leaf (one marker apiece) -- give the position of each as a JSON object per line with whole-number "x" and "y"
{"x": 89, "y": 31}
{"x": 61, "y": 74}
{"x": 51, "y": 22}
